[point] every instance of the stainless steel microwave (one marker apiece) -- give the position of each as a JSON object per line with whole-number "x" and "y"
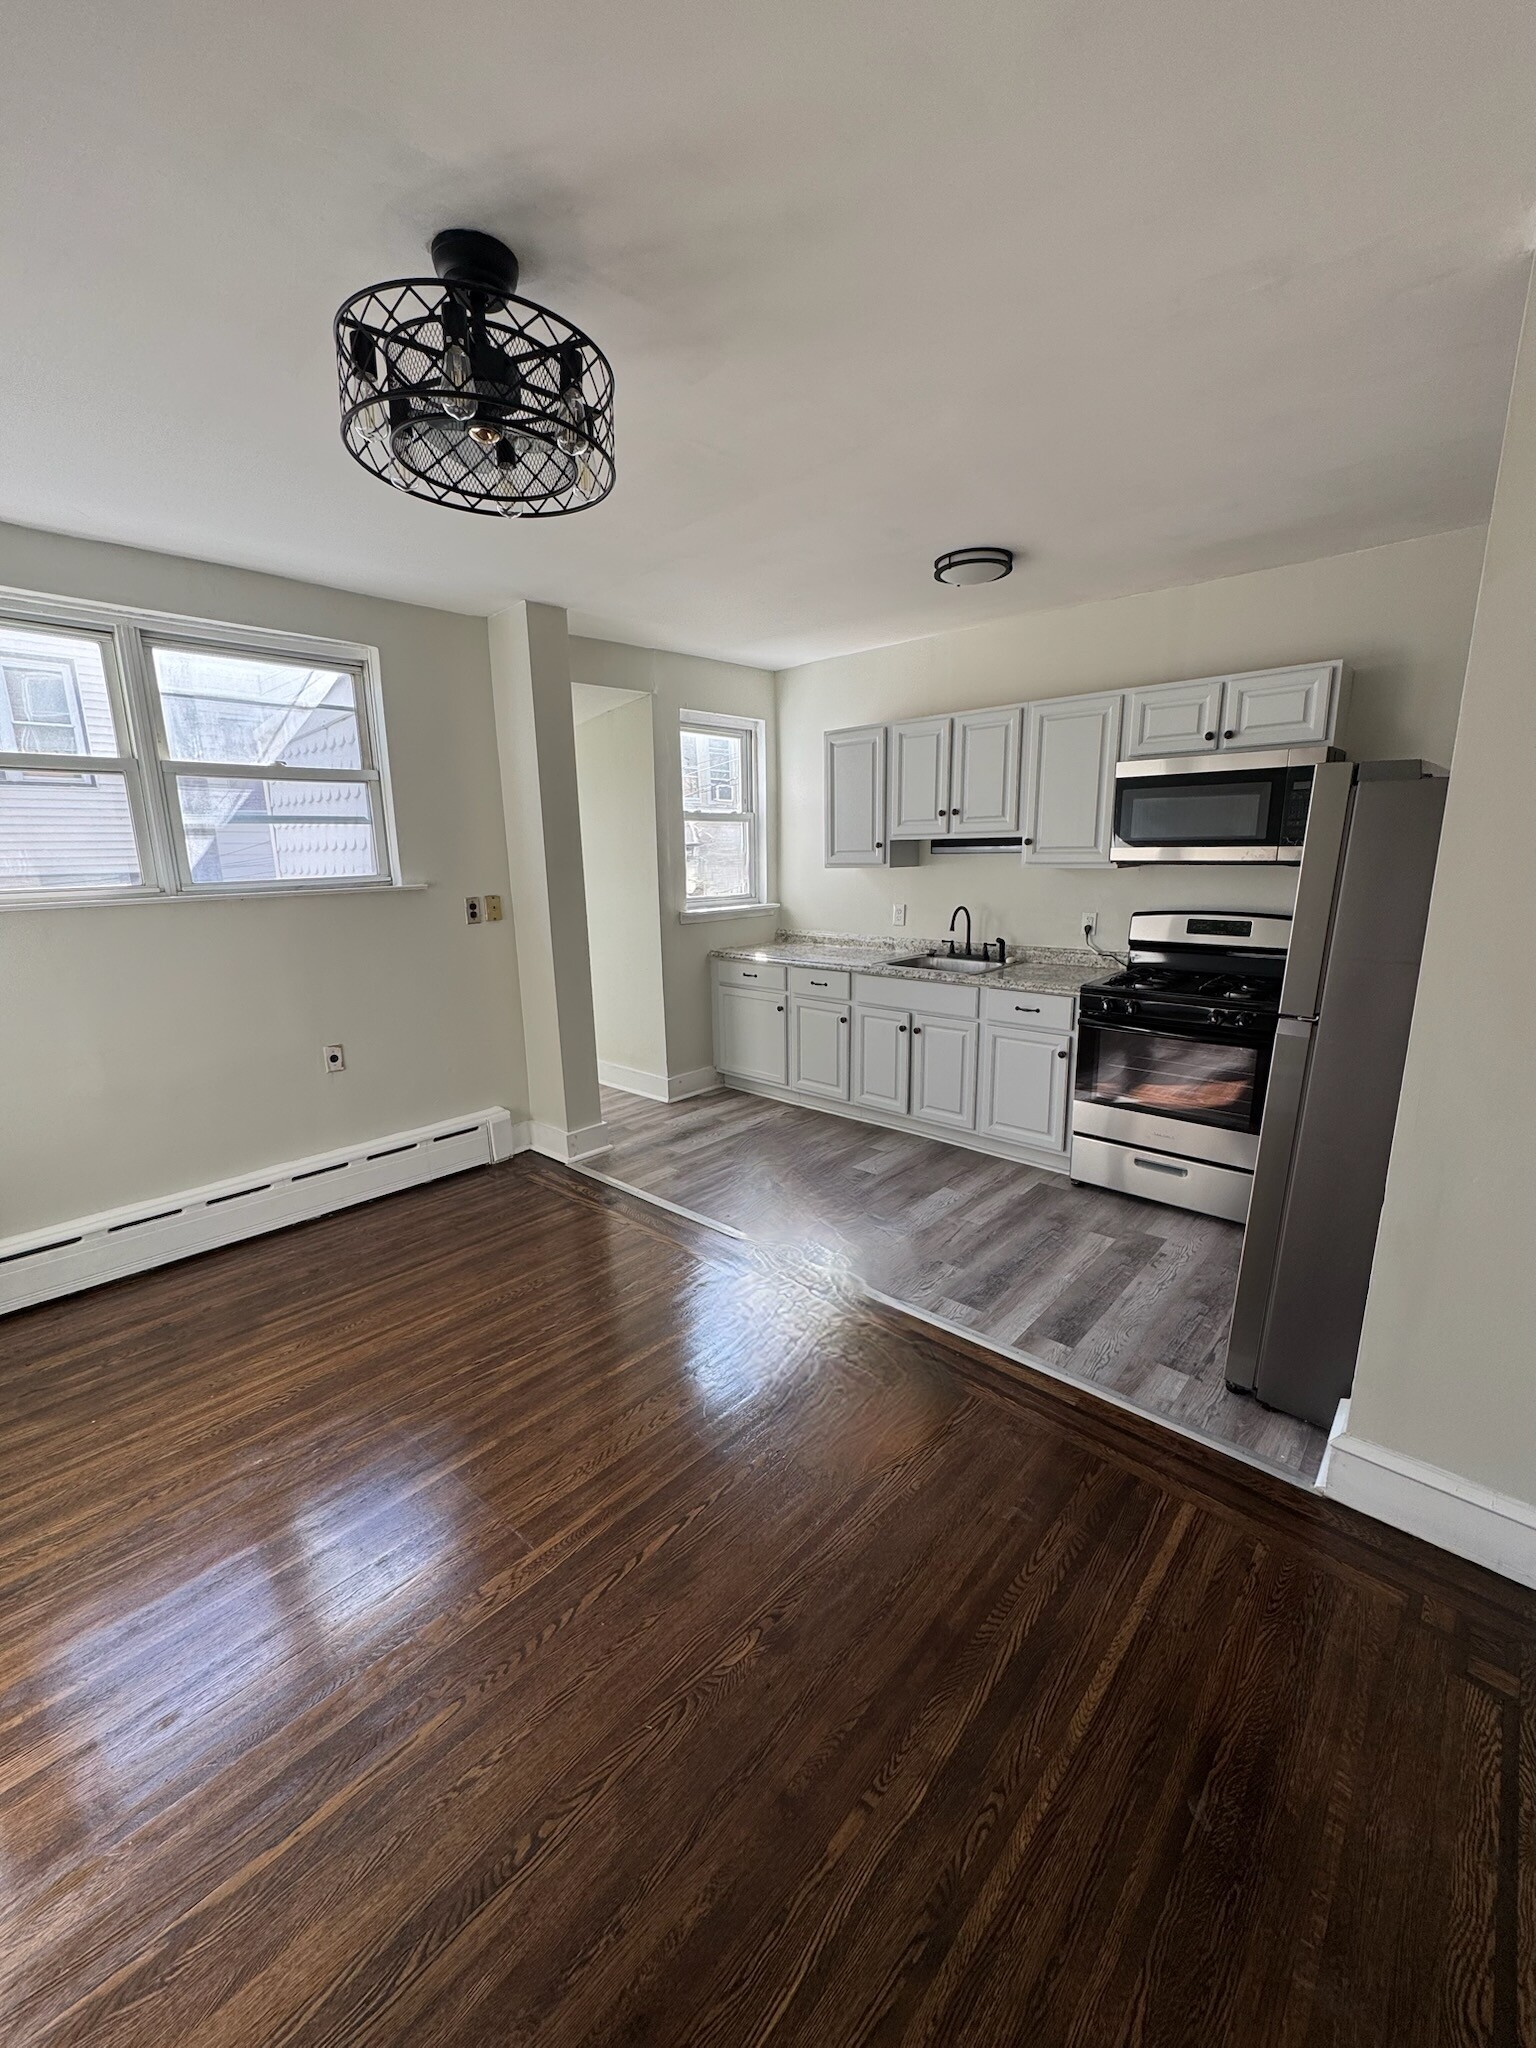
{"x": 1215, "y": 808}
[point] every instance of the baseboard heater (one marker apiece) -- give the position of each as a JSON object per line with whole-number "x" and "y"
{"x": 43, "y": 1264}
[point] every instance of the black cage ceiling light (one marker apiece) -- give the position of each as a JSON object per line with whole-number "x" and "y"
{"x": 458, "y": 391}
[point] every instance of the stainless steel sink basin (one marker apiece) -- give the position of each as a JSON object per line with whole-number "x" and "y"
{"x": 943, "y": 962}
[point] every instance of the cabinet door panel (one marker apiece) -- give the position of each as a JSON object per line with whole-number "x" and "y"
{"x": 818, "y": 1049}
{"x": 1025, "y": 1082}
{"x": 855, "y": 797}
{"x": 882, "y": 1056}
{"x": 1073, "y": 745}
{"x": 1172, "y": 718}
{"x": 1279, "y": 707}
{"x": 752, "y": 1035}
{"x": 984, "y": 771}
{"x": 944, "y": 1073}
{"x": 919, "y": 799}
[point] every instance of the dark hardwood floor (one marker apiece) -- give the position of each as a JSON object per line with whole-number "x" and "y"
{"x": 508, "y": 1614}
{"x": 1130, "y": 1296}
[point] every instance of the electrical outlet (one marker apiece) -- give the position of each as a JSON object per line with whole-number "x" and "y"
{"x": 335, "y": 1058}
{"x": 493, "y": 910}
{"x": 474, "y": 910}
{"x": 1090, "y": 924}
{"x": 898, "y": 913}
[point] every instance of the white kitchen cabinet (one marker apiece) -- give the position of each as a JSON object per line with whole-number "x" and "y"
{"x": 955, "y": 776}
{"x": 1025, "y": 1088}
{"x": 1271, "y": 707}
{"x": 1172, "y": 718}
{"x": 752, "y": 1033}
{"x": 1281, "y": 707}
{"x": 1071, "y": 748}
{"x": 882, "y": 1059}
{"x": 819, "y": 1049}
{"x": 984, "y": 772}
{"x": 944, "y": 1072}
{"x": 855, "y": 797}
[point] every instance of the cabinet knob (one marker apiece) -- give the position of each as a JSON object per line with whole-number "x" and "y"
{"x": 842, "y": 1020}
{"x": 917, "y": 1030}
{"x": 1209, "y": 737}
{"x": 1029, "y": 842}
{"x": 943, "y": 814}
{"x": 1229, "y": 734}
{"x": 781, "y": 1009}
{"x": 878, "y": 844}
{"x": 902, "y": 1029}
{"x": 1061, "y": 1052}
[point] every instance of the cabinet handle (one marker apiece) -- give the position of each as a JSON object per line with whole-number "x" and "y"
{"x": 747, "y": 977}
{"x": 1160, "y": 1166}
{"x": 1229, "y": 734}
{"x": 1027, "y": 1009}
{"x": 1061, "y": 1053}
{"x": 817, "y": 984}
{"x": 1210, "y": 736}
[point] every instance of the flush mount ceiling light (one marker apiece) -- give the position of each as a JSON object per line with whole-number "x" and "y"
{"x": 457, "y": 391}
{"x": 973, "y": 565}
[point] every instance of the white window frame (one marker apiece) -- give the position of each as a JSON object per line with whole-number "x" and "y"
{"x": 127, "y": 637}
{"x": 754, "y": 733}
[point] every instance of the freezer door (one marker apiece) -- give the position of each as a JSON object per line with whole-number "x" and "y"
{"x": 1266, "y": 1205}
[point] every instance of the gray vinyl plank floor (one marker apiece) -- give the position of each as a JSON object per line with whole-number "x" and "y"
{"x": 1126, "y": 1295}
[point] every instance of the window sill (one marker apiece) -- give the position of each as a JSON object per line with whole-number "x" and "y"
{"x": 706, "y": 912}
{"x": 116, "y": 899}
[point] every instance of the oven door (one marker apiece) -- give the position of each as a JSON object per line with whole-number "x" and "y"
{"x": 1201, "y": 812}
{"x": 1177, "y": 1087}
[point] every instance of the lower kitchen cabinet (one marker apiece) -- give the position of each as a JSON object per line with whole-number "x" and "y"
{"x": 1026, "y": 1086}
{"x": 944, "y": 1072}
{"x": 819, "y": 1055}
{"x": 882, "y": 1059}
{"x": 752, "y": 1034}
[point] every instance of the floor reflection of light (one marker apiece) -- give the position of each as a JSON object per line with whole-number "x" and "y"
{"x": 368, "y": 1544}
{"x": 737, "y": 1345}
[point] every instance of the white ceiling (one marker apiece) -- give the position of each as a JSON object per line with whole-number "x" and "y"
{"x": 1152, "y": 293}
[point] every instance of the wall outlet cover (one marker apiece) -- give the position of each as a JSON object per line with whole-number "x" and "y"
{"x": 1090, "y": 923}
{"x": 493, "y": 910}
{"x": 335, "y": 1058}
{"x": 474, "y": 910}
{"x": 898, "y": 913}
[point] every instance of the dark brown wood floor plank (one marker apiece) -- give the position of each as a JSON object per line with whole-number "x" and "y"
{"x": 510, "y": 1612}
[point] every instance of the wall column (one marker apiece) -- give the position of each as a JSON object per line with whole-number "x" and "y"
{"x": 1441, "y": 1436}
{"x": 535, "y": 739}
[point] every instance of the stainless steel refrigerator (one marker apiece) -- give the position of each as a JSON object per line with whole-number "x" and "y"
{"x": 1362, "y": 899}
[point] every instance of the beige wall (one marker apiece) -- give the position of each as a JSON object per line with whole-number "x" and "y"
{"x": 1447, "y": 1370}
{"x": 153, "y": 1046}
{"x": 1400, "y": 615}
{"x": 674, "y": 683}
{"x": 615, "y": 775}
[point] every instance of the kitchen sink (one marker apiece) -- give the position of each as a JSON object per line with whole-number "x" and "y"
{"x": 947, "y": 963}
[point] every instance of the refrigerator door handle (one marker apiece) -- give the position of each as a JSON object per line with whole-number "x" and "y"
{"x": 1266, "y": 1207}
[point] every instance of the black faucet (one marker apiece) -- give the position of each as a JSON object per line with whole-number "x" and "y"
{"x": 967, "y": 931}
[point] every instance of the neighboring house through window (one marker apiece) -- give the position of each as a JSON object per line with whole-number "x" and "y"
{"x": 724, "y": 853}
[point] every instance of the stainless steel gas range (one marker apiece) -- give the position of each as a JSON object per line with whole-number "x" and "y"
{"x": 1173, "y": 1060}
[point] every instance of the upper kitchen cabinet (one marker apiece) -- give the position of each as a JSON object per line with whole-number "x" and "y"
{"x": 956, "y": 777}
{"x": 1273, "y": 707}
{"x": 1070, "y": 752}
{"x": 855, "y": 800}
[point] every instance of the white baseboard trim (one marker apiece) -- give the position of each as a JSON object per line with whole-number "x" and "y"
{"x": 697, "y": 1081}
{"x": 586, "y": 1142}
{"x": 1472, "y": 1521}
{"x": 40, "y": 1265}
{"x": 657, "y": 1087}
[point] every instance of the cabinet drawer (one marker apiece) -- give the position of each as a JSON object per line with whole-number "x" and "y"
{"x": 749, "y": 974}
{"x": 823, "y": 984}
{"x": 928, "y": 998}
{"x": 1030, "y": 1012}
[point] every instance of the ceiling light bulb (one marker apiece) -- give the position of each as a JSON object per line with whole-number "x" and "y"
{"x": 483, "y": 432}
{"x": 586, "y": 482}
{"x": 459, "y": 378}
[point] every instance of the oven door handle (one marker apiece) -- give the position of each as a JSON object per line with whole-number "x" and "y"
{"x": 1203, "y": 1034}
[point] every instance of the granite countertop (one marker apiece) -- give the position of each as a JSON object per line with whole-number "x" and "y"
{"x": 1035, "y": 970}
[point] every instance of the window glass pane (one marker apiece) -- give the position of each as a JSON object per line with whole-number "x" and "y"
{"x": 53, "y": 694}
{"x": 718, "y": 857}
{"x": 233, "y": 707}
{"x": 242, "y": 830}
{"x": 714, "y": 771}
{"x": 66, "y": 832}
